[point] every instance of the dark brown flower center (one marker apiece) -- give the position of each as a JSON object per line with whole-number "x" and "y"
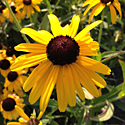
{"x": 107, "y": 1}
{"x": 27, "y": 2}
{"x": 1, "y": 46}
{"x": 14, "y": 9}
{"x": 8, "y": 104}
{"x": 9, "y": 52}
{"x": 33, "y": 121}
{"x": 4, "y": 64}
{"x": 62, "y": 50}
{"x": 12, "y": 75}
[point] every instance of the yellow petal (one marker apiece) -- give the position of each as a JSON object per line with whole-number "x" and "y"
{"x": 77, "y": 84}
{"x": 21, "y": 113}
{"x": 93, "y": 65}
{"x": 118, "y": 7}
{"x": 55, "y": 25}
{"x": 100, "y": 7}
{"x": 13, "y": 123}
{"x": 28, "y": 60}
{"x": 85, "y": 80}
{"x": 69, "y": 85}
{"x": 90, "y": 6}
{"x": 42, "y": 38}
{"x": 113, "y": 14}
{"x": 35, "y": 75}
{"x": 31, "y": 47}
{"x": 73, "y": 26}
{"x": 39, "y": 83}
{"x": 61, "y": 95}
{"x": 97, "y": 79}
{"x": 86, "y": 30}
{"x": 48, "y": 87}
{"x": 36, "y": 7}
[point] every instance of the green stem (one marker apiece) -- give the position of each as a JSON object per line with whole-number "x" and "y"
{"x": 120, "y": 53}
{"x": 16, "y": 21}
{"x": 55, "y": 6}
{"x": 48, "y": 6}
{"x": 101, "y": 26}
{"x": 102, "y": 103}
{"x": 118, "y": 118}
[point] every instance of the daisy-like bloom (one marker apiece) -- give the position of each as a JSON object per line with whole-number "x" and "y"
{"x": 100, "y": 5}
{"x": 62, "y": 61}
{"x": 5, "y": 65}
{"x": 28, "y": 6}
{"x": 7, "y": 106}
{"x": 25, "y": 120}
{"x": 8, "y": 53}
{"x": 17, "y": 13}
{"x": 14, "y": 81}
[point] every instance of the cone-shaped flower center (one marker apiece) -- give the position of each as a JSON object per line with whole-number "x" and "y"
{"x": 62, "y": 50}
{"x": 14, "y": 9}
{"x": 4, "y": 64}
{"x": 12, "y": 75}
{"x": 107, "y": 1}
{"x": 8, "y": 104}
{"x": 33, "y": 121}
{"x": 9, "y": 52}
{"x": 1, "y": 46}
{"x": 27, "y": 2}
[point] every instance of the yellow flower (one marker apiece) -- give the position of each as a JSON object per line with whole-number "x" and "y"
{"x": 100, "y": 5}
{"x": 8, "y": 53}
{"x": 62, "y": 61}
{"x": 17, "y": 13}
{"x": 25, "y": 120}
{"x": 28, "y": 6}
{"x": 5, "y": 64}
{"x": 7, "y": 106}
{"x": 14, "y": 81}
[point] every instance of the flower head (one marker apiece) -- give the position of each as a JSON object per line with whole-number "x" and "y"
{"x": 28, "y": 6}
{"x": 14, "y": 81}
{"x": 5, "y": 64}
{"x": 62, "y": 61}
{"x": 17, "y": 13}
{"x": 25, "y": 120}
{"x": 7, "y": 106}
{"x": 100, "y": 5}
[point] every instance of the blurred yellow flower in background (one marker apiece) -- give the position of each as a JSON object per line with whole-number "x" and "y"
{"x": 28, "y": 6}
{"x": 99, "y": 5}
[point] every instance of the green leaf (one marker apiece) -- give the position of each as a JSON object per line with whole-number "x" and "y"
{"x": 106, "y": 96}
{"x": 109, "y": 54}
{"x": 107, "y": 113}
{"x": 45, "y": 22}
{"x": 122, "y": 93}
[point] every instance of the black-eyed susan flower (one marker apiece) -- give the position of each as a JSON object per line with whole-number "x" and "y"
{"x": 25, "y": 120}
{"x": 62, "y": 61}
{"x": 17, "y": 13}
{"x": 5, "y": 65}
{"x": 7, "y": 106}
{"x": 8, "y": 53}
{"x": 14, "y": 81}
{"x": 28, "y": 6}
{"x": 100, "y": 5}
